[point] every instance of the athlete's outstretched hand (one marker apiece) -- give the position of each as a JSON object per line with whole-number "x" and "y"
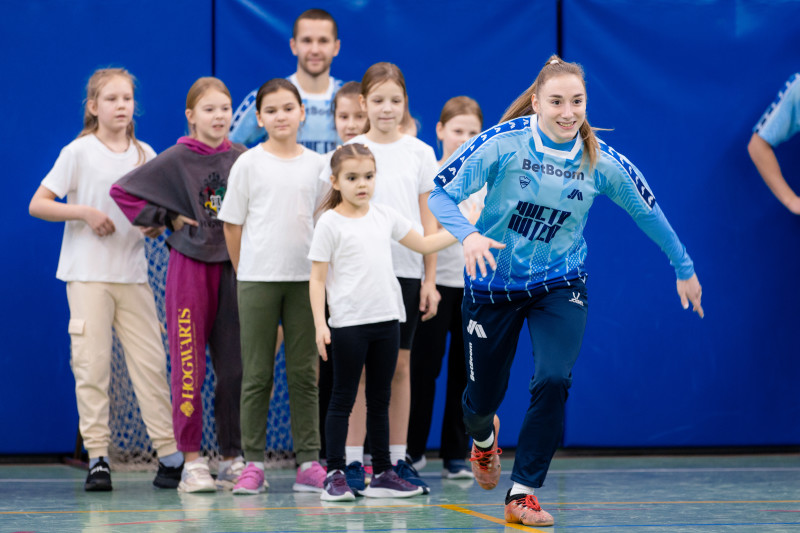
{"x": 476, "y": 252}
{"x": 689, "y": 290}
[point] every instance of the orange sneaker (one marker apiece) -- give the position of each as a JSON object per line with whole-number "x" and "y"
{"x": 524, "y": 509}
{"x": 486, "y": 464}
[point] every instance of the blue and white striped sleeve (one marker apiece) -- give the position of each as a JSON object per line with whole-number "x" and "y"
{"x": 464, "y": 173}
{"x": 624, "y": 184}
{"x": 781, "y": 120}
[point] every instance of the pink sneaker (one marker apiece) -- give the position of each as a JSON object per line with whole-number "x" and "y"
{"x": 312, "y": 479}
{"x": 251, "y": 481}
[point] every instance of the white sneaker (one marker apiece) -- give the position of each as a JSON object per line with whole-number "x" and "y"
{"x": 196, "y": 477}
{"x": 228, "y": 477}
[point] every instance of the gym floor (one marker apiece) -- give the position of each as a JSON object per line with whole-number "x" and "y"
{"x": 653, "y": 494}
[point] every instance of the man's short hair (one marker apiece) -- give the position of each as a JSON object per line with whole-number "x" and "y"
{"x": 316, "y": 14}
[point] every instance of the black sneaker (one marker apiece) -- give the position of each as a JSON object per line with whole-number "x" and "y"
{"x": 99, "y": 478}
{"x": 168, "y": 477}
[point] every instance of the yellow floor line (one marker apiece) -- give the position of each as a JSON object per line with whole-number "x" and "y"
{"x": 489, "y": 518}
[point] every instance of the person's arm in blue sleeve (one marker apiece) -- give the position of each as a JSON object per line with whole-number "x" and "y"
{"x": 449, "y": 215}
{"x": 476, "y": 246}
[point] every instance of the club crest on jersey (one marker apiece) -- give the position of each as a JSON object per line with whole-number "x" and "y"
{"x": 524, "y": 181}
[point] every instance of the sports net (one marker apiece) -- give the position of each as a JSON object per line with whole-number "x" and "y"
{"x": 130, "y": 446}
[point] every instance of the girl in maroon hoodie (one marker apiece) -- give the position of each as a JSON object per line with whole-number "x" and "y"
{"x": 182, "y": 189}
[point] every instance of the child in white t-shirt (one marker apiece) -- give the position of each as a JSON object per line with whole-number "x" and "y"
{"x": 268, "y": 210}
{"x": 354, "y": 239}
{"x": 102, "y": 260}
{"x": 406, "y": 167}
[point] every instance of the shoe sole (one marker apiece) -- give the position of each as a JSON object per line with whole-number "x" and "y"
{"x": 299, "y": 487}
{"x": 241, "y": 491}
{"x": 346, "y": 497}
{"x": 97, "y": 487}
{"x": 532, "y": 524}
{"x": 462, "y": 474}
{"x": 168, "y": 484}
{"x": 391, "y": 493}
{"x": 183, "y": 488}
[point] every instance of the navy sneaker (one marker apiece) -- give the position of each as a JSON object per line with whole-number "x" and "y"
{"x": 99, "y": 478}
{"x": 168, "y": 477}
{"x": 389, "y": 485}
{"x": 356, "y": 477}
{"x": 407, "y": 472}
{"x": 335, "y": 488}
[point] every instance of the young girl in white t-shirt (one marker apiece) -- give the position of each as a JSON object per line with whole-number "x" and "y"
{"x": 268, "y": 210}
{"x": 353, "y": 238}
{"x": 102, "y": 260}
{"x": 406, "y": 167}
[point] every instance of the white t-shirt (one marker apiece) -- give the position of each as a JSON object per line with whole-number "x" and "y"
{"x": 274, "y": 199}
{"x": 361, "y": 285}
{"x": 84, "y": 172}
{"x": 450, "y": 261}
{"x": 405, "y": 170}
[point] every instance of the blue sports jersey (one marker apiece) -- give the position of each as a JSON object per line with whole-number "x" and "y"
{"x": 782, "y": 118}
{"x": 537, "y": 204}
{"x": 317, "y": 133}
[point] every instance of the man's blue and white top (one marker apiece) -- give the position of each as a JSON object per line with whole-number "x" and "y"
{"x": 782, "y": 118}
{"x": 317, "y": 132}
{"x": 537, "y": 204}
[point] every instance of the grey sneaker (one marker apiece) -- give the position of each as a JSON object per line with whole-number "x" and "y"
{"x": 228, "y": 477}
{"x": 389, "y": 485}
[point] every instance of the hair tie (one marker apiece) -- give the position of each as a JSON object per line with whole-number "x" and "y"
{"x": 554, "y": 62}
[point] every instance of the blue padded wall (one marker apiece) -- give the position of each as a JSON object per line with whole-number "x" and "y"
{"x": 682, "y": 84}
{"x": 49, "y": 51}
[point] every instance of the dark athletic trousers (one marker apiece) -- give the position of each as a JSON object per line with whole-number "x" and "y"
{"x": 373, "y": 348}
{"x": 556, "y": 321}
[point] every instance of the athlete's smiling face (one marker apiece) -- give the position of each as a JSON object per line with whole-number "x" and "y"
{"x": 561, "y": 106}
